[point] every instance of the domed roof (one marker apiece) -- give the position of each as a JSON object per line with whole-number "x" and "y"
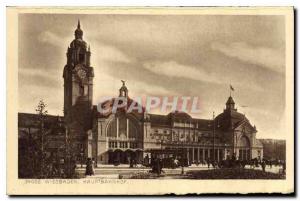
{"x": 230, "y": 118}
{"x": 78, "y": 32}
{"x": 124, "y": 104}
{"x": 78, "y": 41}
{"x": 179, "y": 115}
{"x": 108, "y": 105}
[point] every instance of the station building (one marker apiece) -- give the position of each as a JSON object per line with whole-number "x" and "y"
{"x": 121, "y": 136}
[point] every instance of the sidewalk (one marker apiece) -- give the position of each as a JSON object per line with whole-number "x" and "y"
{"x": 139, "y": 166}
{"x": 110, "y": 171}
{"x": 108, "y": 166}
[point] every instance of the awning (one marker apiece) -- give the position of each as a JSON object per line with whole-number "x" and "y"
{"x": 124, "y": 150}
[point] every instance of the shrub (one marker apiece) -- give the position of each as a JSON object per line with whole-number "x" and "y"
{"x": 233, "y": 173}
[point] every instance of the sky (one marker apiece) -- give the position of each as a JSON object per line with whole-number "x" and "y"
{"x": 161, "y": 55}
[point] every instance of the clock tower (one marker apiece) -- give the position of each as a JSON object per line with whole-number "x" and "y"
{"x": 78, "y": 93}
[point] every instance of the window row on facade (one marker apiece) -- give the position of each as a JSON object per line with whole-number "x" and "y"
{"x": 183, "y": 137}
{"x": 122, "y": 145}
{"x": 179, "y": 131}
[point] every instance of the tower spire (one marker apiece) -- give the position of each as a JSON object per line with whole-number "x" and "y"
{"x": 78, "y": 31}
{"x": 78, "y": 25}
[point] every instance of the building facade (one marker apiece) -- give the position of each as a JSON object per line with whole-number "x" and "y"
{"x": 120, "y": 136}
{"x": 274, "y": 149}
{"x": 117, "y": 137}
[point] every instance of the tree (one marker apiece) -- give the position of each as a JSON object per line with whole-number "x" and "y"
{"x": 70, "y": 162}
{"x": 42, "y": 114}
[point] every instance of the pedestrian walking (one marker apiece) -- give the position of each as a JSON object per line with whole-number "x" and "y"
{"x": 89, "y": 167}
{"x": 93, "y": 166}
{"x": 263, "y": 165}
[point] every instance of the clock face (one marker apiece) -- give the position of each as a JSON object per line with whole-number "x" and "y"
{"x": 81, "y": 73}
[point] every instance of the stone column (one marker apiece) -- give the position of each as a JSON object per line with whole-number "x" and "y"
{"x": 208, "y": 153}
{"x": 193, "y": 154}
{"x": 127, "y": 128}
{"x": 218, "y": 152}
{"x": 188, "y": 155}
{"x": 198, "y": 154}
{"x": 203, "y": 154}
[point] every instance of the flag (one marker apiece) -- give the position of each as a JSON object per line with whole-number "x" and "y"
{"x": 231, "y": 88}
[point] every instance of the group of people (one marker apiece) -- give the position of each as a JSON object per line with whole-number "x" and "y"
{"x": 157, "y": 166}
{"x": 265, "y": 162}
{"x": 90, "y": 167}
{"x": 157, "y": 163}
{"x": 132, "y": 163}
{"x": 253, "y": 163}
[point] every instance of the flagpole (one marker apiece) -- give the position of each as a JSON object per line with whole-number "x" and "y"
{"x": 230, "y": 89}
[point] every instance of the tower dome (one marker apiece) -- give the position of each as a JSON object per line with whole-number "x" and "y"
{"x": 78, "y": 42}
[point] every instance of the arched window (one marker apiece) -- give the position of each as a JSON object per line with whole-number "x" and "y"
{"x": 112, "y": 129}
{"x": 126, "y": 127}
{"x": 244, "y": 142}
{"x": 133, "y": 131}
{"x": 122, "y": 127}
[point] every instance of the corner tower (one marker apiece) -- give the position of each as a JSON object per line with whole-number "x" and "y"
{"x": 78, "y": 91}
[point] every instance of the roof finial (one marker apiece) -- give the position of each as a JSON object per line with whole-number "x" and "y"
{"x": 123, "y": 82}
{"x": 78, "y": 25}
{"x": 123, "y": 90}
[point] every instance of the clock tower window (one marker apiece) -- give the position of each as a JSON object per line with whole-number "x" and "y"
{"x": 81, "y": 58}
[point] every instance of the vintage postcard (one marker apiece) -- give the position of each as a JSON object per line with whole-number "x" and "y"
{"x": 150, "y": 101}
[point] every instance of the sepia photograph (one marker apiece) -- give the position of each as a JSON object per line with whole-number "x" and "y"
{"x": 150, "y": 101}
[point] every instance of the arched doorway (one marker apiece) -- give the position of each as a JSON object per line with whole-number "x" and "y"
{"x": 244, "y": 148}
{"x": 117, "y": 156}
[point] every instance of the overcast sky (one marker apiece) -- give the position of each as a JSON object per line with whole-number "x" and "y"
{"x": 163, "y": 55}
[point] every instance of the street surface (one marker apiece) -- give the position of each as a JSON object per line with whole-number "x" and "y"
{"x": 113, "y": 172}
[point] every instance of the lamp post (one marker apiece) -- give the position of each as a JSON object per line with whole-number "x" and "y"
{"x": 214, "y": 138}
{"x": 182, "y": 159}
{"x": 67, "y": 153}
